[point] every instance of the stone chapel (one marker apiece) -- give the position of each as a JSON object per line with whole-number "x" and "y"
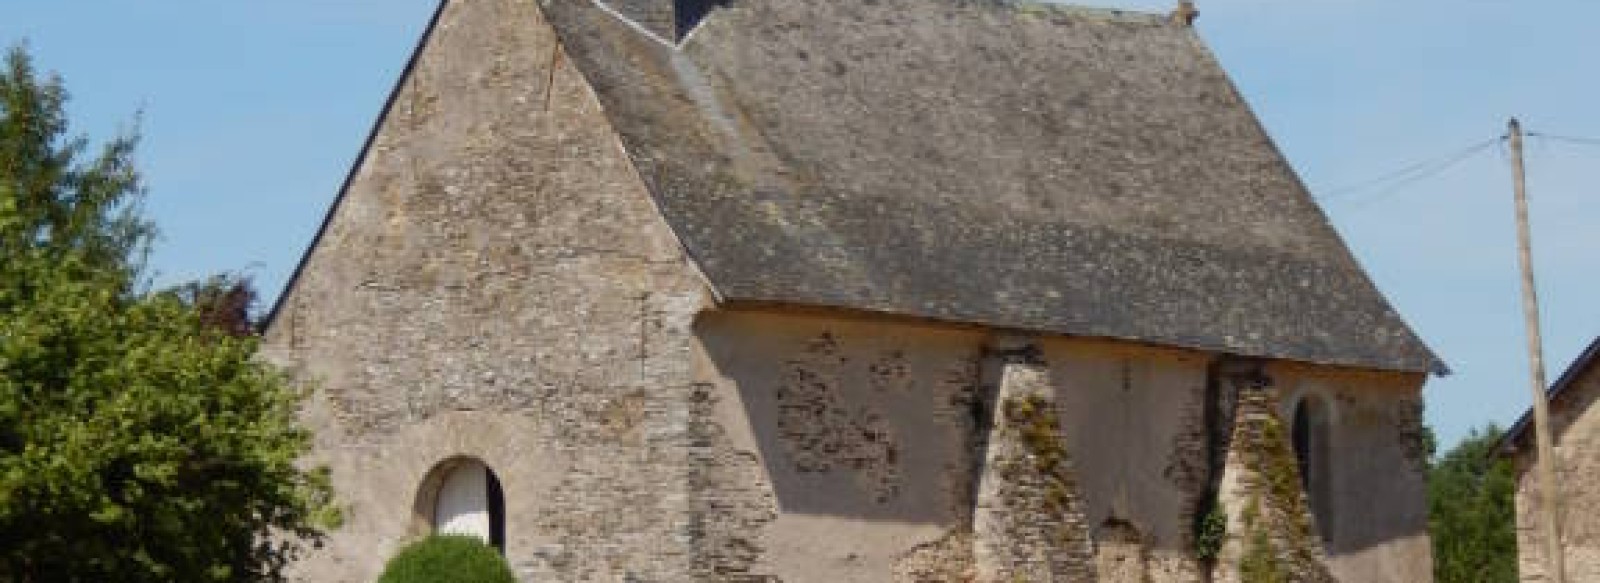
{"x": 847, "y": 291}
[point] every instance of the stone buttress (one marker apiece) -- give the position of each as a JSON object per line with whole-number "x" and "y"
{"x": 1270, "y": 535}
{"x": 1029, "y": 524}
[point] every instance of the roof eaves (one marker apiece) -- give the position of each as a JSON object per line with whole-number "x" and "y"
{"x": 1569, "y": 377}
{"x": 1437, "y": 366}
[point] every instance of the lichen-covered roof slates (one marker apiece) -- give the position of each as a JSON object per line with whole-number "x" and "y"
{"x": 1068, "y": 170}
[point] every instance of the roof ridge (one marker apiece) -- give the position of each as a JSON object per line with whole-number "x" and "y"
{"x": 1074, "y": 9}
{"x": 635, "y": 25}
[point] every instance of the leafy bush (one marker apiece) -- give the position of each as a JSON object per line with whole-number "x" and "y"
{"x": 450, "y": 558}
{"x": 141, "y": 439}
{"x": 1472, "y": 512}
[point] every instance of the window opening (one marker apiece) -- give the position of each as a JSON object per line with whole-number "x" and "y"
{"x": 1302, "y": 444}
{"x": 1310, "y": 434}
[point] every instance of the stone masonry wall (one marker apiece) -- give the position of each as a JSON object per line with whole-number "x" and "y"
{"x": 1368, "y": 479}
{"x": 1029, "y": 523}
{"x": 860, "y": 438}
{"x": 496, "y": 284}
{"x": 1575, "y": 424}
{"x": 865, "y": 438}
{"x": 1371, "y": 496}
{"x": 1271, "y": 536}
{"x": 1134, "y": 421}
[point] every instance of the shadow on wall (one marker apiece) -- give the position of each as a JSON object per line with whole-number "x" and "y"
{"x": 849, "y": 419}
{"x": 882, "y": 421}
{"x": 1360, "y": 458}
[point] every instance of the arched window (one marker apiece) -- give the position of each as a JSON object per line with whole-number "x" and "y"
{"x": 1310, "y": 433}
{"x": 463, "y": 496}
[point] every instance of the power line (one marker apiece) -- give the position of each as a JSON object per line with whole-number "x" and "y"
{"x": 1412, "y": 173}
{"x": 1568, "y": 139}
{"x": 1437, "y": 170}
{"x": 1388, "y": 184}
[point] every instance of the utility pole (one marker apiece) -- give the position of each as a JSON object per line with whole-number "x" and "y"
{"x": 1549, "y": 501}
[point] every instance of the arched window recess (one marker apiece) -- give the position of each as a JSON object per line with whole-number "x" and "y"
{"x": 1311, "y": 433}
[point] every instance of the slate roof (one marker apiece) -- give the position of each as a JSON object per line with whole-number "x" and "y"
{"x": 1025, "y": 166}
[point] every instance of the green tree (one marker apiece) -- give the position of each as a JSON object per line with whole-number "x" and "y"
{"x": 1472, "y": 512}
{"x": 455, "y": 558}
{"x": 140, "y": 439}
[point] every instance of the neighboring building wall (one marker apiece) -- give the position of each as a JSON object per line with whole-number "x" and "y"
{"x": 1575, "y": 424}
{"x": 496, "y": 284}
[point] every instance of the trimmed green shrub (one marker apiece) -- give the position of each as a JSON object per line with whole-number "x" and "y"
{"x": 450, "y": 558}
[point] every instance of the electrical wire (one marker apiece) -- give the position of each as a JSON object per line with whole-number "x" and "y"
{"x": 1568, "y": 139}
{"x": 1437, "y": 170}
{"x": 1408, "y": 174}
{"x": 1394, "y": 182}
{"x": 1391, "y": 183}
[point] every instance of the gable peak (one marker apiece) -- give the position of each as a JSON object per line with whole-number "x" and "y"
{"x": 671, "y": 20}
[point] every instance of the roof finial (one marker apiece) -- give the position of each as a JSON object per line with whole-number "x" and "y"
{"x": 1186, "y": 13}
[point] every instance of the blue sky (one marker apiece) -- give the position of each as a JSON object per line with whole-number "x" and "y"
{"x": 254, "y": 111}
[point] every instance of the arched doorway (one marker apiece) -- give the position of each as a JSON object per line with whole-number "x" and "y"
{"x": 463, "y": 496}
